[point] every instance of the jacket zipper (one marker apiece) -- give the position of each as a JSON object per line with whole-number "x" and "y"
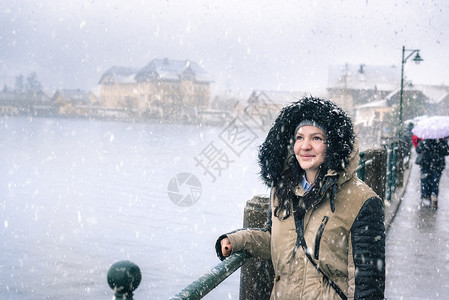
{"x": 318, "y": 236}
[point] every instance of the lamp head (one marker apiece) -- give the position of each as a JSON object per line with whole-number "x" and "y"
{"x": 417, "y": 59}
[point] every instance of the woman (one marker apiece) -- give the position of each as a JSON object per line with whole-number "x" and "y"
{"x": 325, "y": 231}
{"x": 432, "y": 163}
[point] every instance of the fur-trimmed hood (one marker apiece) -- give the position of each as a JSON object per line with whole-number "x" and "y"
{"x": 278, "y": 145}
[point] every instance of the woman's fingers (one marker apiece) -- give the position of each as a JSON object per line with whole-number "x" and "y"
{"x": 226, "y": 248}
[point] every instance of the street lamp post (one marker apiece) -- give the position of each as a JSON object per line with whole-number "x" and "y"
{"x": 401, "y": 143}
{"x": 417, "y": 59}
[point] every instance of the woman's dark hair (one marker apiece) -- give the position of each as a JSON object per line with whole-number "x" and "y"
{"x": 279, "y": 166}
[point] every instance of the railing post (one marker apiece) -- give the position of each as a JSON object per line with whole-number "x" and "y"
{"x": 256, "y": 276}
{"x": 394, "y": 167}
{"x": 400, "y": 163}
{"x": 124, "y": 277}
{"x": 391, "y": 169}
{"x": 388, "y": 174}
{"x": 361, "y": 172}
{"x": 374, "y": 174}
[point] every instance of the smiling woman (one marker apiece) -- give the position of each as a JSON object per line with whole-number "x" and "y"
{"x": 325, "y": 231}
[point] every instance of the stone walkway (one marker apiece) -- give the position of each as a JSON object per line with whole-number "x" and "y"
{"x": 417, "y": 244}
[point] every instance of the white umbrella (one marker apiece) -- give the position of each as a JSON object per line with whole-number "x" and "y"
{"x": 432, "y": 127}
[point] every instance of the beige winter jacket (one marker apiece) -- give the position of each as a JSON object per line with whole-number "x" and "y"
{"x": 348, "y": 244}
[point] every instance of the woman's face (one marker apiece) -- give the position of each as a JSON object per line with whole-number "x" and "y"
{"x": 310, "y": 149}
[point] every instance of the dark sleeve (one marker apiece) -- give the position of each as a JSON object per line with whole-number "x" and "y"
{"x": 368, "y": 243}
{"x": 445, "y": 148}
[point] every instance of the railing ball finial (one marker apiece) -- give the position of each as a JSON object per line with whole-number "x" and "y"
{"x": 124, "y": 277}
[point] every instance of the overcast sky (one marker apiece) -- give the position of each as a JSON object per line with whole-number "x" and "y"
{"x": 244, "y": 45}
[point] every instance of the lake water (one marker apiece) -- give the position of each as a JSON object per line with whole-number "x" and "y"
{"x": 77, "y": 196}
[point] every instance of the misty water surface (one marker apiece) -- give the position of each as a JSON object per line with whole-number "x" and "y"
{"x": 78, "y": 196}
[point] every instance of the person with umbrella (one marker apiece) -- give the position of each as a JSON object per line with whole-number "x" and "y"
{"x": 431, "y": 151}
{"x": 432, "y": 163}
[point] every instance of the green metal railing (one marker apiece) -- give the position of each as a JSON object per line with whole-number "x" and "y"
{"x": 206, "y": 283}
{"x": 392, "y": 167}
{"x": 361, "y": 169}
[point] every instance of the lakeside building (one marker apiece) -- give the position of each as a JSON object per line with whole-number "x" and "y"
{"x": 164, "y": 88}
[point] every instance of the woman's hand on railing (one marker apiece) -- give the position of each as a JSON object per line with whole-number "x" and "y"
{"x": 226, "y": 248}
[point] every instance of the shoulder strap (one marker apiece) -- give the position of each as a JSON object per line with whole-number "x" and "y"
{"x": 299, "y": 223}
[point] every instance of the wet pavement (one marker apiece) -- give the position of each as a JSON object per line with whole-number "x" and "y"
{"x": 417, "y": 245}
